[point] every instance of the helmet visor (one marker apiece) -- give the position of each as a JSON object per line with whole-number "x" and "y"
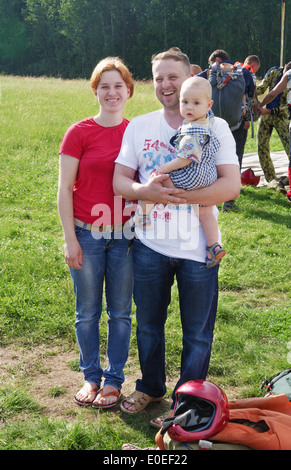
{"x": 194, "y": 413}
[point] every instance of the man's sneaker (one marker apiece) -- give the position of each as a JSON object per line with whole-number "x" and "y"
{"x": 230, "y": 206}
{"x": 274, "y": 184}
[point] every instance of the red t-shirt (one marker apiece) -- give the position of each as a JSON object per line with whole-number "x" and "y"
{"x": 97, "y": 148}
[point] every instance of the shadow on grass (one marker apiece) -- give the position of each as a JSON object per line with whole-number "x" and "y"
{"x": 140, "y": 422}
{"x": 274, "y": 203}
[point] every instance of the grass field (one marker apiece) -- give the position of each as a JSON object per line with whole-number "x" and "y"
{"x": 38, "y": 353}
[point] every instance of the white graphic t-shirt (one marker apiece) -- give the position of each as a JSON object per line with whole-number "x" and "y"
{"x": 174, "y": 231}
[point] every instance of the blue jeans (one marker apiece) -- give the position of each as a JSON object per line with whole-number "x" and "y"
{"x": 104, "y": 259}
{"x": 198, "y": 294}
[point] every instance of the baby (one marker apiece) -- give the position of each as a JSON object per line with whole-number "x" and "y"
{"x": 194, "y": 166}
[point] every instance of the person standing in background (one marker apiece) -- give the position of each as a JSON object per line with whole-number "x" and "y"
{"x": 275, "y": 115}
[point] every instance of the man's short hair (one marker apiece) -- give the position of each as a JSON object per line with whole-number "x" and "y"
{"x": 252, "y": 59}
{"x": 218, "y": 54}
{"x": 173, "y": 53}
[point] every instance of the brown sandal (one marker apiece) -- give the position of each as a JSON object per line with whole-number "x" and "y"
{"x": 139, "y": 400}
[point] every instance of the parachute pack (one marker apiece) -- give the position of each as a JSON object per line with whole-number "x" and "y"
{"x": 228, "y": 92}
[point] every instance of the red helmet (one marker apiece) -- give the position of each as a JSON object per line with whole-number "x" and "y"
{"x": 248, "y": 177}
{"x": 201, "y": 410}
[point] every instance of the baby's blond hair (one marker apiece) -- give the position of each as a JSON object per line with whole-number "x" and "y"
{"x": 198, "y": 82}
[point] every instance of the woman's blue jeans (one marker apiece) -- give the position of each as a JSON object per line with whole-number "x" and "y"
{"x": 198, "y": 294}
{"x": 105, "y": 260}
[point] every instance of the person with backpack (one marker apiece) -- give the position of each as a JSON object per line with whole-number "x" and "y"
{"x": 253, "y": 64}
{"x": 230, "y": 84}
{"x": 250, "y": 111}
{"x": 275, "y": 115}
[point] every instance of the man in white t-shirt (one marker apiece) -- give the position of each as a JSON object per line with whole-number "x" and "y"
{"x": 174, "y": 243}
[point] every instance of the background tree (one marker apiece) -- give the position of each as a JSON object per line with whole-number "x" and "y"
{"x": 67, "y": 37}
{"x": 14, "y": 39}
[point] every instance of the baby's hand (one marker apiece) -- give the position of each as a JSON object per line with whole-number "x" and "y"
{"x": 156, "y": 173}
{"x": 162, "y": 169}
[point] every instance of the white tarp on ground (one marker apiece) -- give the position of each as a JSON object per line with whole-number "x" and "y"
{"x": 280, "y": 160}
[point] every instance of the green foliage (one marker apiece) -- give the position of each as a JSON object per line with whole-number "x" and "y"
{"x": 14, "y": 401}
{"x": 45, "y": 434}
{"x": 68, "y": 37}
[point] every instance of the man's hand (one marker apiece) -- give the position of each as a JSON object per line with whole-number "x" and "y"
{"x": 161, "y": 194}
{"x": 153, "y": 190}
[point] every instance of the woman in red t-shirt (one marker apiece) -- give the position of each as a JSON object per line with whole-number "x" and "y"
{"x": 96, "y": 248}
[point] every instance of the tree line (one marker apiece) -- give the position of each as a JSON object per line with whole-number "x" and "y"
{"x": 66, "y": 38}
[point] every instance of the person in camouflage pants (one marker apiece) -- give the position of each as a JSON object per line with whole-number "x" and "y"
{"x": 284, "y": 83}
{"x": 275, "y": 115}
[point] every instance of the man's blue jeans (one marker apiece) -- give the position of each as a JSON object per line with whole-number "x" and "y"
{"x": 198, "y": 294}
{"x": 104, "y": 260}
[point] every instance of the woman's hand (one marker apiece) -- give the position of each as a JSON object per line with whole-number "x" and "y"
{"x": 73, "y": 255}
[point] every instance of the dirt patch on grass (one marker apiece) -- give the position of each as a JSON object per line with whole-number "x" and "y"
{"x": 48, "y": 376}
{"x": 41, "y": 371}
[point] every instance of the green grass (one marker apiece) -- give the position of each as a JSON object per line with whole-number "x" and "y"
{"x": 37, "y": 302}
